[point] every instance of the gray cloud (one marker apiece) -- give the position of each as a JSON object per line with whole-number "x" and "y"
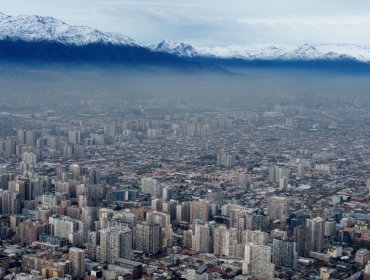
{"x": 213, "y": 22}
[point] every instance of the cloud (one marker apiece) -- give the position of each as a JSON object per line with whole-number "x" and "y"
{"x": 214, "y": 22}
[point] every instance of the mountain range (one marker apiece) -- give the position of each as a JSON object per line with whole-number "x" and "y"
{"x": 268, "y": 52}
{"x": 49, "y": 39}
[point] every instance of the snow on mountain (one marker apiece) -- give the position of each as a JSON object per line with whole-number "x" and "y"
{"x": 360, "y": 53}
{"x": 173, "y": 47}
{"x": 269, "y": 52}
{"x": 37, "y": 28}
{"x": 305, "y": 52}
{"x": 248, "y": 52}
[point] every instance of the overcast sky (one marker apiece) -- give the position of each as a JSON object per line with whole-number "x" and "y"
{"x": 213, "y": 22}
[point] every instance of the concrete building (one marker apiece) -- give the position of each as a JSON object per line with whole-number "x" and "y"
{"x": 199, "y": 210}
{"x": 160, "y": 218}
{"x": 362, "y": 256}
{"x": 257, "y": 261}
{"x": 315, "y": 230}
{"x": 256, "y": 237}
{"x": 77, "y": 259}
{"x": 225, "y": 160}
{"x": 284, "y": 253}
{"x": 330, "y": 227}
{"x": 278, "y": 209}
{"x": 201, "y": 239}
{"x": 147, "y": 237}
{"x": 149, "y": 185}
{"x": 115, "y": 243}
{"x": 183, "y": 212}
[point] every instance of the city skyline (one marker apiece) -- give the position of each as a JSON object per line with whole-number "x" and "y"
{"x": 123, "y": 160}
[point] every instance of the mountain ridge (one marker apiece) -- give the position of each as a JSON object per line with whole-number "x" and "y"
{"x": 47, "y": 38}
{"x": 304, "y": 52}
{"x": 38, "y": 28}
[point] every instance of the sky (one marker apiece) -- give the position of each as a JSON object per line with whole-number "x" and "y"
{"x": 213, "y": 22}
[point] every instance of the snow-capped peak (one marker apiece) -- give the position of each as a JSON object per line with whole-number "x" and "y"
{"x": 173, "y": 47}
{"x": 247, "y": 52}
{"x": 305, "y": 52}
{"x": 38, "y": 28}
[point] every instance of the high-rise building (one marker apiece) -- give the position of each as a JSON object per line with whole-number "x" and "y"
{"x": 284, "y": 253}
{"x": 149, "y": 185}
{"x": 299, "y": 236}
{"x": 111, "y": 129}
{"x": 279, "y": 234}
{"x": 315, "y": 234}
{"x": 29, "y": 157}
{"x": 21, "y": 136}
{"x": 257, "y": 261}
{"x": 147, "y": 237}
{"x": 278, "y": 209}
{"x": 167, "y": 237}
{"x": 297, "y": 218}
{"x": 115, "y": 243}
{"x": 77, "y": 259}
{"x": 228, "y": 208}
{"x": 160, "y": 218}
{"x": 273, "y": 173}
{"x": 238, "y": 215}
{"x": 62, "y": 187}
{"x": 215, "y": 196}
{"x": 157, "y": 204}
{"x": 330, "y": 228}
{"x": 219, "y": 240}
{"x": 75, "y": 136}
{"x": 169, "y": 207}
{"x": 105, "y": 213}
{"x": 277, "y": 172}
{"x": 188, "y": 239}
{"x": 201, "y": 240}
{"x": 29, "y": 231}
{"x": 31, "y": 138}
{"x": 241, "y": 181}
{"x": 10, "y": 146}
{"x": 283, "y": 183}
{"x": 38, "y": 187}
{"x": 10, "y": 202}
{"x": 255, "y": 236}
{"x": 115, "y": 222}
{"x": 199, "y": 210}
{"x": 235, "y": 249}
{"x": 75, "y": 169}
{"x": 49, "y": 199}
{"x": 301, "y": 171}
{"x": 183, "y": 212}
{"x": 226, "y": 243}
{"x": 66, "y": 227}
{"x": 94, "y": 176}
{"x": 84, "y": 200}
{"x": 167, "y": 193}
{"x": 225, "y": 160}
{"x": 93, "y": 245}
{"x": 22, "y": 187}
{"x": 87, "y": 217}
{"x": 127, "y": 217}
